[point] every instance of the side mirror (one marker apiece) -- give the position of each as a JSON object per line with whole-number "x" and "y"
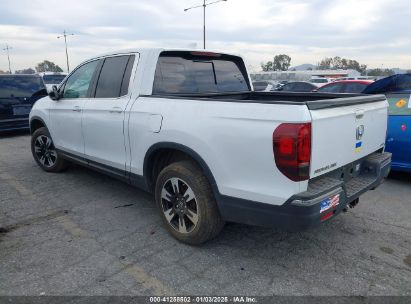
{"x": 54, "y": 93}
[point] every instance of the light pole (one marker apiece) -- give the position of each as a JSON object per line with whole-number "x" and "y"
{"x": 7, "y": 49}
{"x": 65, "y": 42}
{"x": 204, "y": 5}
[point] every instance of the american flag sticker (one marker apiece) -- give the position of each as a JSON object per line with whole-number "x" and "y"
{"x": 329, "y": 203}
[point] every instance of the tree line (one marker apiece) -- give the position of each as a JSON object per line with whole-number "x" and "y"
{"x": 45, "y": 66}
{"x": 282, "y": 62}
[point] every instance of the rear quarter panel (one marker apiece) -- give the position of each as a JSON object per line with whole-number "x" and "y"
{"x": 233, "y": 138}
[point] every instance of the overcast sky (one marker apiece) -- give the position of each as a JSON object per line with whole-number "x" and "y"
{"x": 374, "y": 32}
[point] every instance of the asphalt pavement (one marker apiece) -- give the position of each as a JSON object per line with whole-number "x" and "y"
{"x": 83, "y": 233}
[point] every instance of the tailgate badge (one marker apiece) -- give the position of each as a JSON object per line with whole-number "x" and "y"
{"x": 360, "y": 132}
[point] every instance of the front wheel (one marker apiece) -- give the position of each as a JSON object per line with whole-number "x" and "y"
{"x": 187, "y": 204}
{"x": 45, "y": 153}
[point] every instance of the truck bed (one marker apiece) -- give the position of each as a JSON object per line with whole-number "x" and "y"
{"x": 314, "y": 101}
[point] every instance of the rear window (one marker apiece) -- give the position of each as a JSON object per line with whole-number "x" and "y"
{"x": 184, "y": 72}
{"x": 53, "y": 79}
{"x": 19, "y": 86}
{"x": 399, "y": 104}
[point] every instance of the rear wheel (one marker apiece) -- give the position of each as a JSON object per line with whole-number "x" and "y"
{"x": 187, "y": 204}
{"x": 45, "y": 153}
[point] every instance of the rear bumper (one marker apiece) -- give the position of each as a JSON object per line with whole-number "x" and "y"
{"x": 14, "y": 124}
{"x": 326, "y": 197}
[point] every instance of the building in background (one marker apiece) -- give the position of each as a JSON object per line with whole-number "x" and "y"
{"x": 303, "y": 75}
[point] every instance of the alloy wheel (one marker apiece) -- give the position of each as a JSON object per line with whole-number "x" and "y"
{"x": 179, "y": 205}
{"x": 45, "y": 151}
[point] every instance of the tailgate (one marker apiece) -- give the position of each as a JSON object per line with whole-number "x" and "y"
{"x": 345, "y": 130}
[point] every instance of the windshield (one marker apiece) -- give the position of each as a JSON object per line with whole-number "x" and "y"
{"x": 19, "y": 86}
{"x": 53, "y": 79}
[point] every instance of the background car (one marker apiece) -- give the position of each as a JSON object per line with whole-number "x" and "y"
{"x": 50, "y": 79}
{"x": 399, "y": 130}
{"x": 319, "y": 80}
{"x": 298, "y": 86}
{"x": 371, "y": 78}
{"x": 261, "y": 86}
{"x": 394, "y": 83}
{"x": 18, "y": 93}
{"x": 345, "y": 86}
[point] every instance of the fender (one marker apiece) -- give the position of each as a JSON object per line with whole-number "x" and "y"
{"x": 36, "y": 118}
{"x": 179, "y": 147}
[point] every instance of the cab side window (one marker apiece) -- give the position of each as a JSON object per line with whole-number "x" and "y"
{"x": 78, "y": 83}
{"x": 114, "y": 77}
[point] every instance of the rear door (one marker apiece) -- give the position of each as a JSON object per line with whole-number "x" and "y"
{"x": 103, "y": 115}
{"x": 345, "y": 130}
{"x": 399, "y": 129}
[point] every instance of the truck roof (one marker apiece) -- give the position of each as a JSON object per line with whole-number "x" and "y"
{"x": 158, "y": 51}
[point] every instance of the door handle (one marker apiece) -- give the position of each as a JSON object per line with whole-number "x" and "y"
{"x": 116, "y": 110}
{"x": 77, "y": 109}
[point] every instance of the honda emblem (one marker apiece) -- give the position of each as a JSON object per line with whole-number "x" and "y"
{"x": 360, "y": 132}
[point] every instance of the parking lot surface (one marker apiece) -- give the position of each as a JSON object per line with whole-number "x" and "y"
{"x": 82, "y": 233}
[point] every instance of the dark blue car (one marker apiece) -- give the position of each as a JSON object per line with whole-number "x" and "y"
{"x": 391, "y": 84}
{"x": 397, "y": 89}
{"x": 18, "y": 93}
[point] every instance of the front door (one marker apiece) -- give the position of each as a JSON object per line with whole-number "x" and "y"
{"x": 66, "y": 113}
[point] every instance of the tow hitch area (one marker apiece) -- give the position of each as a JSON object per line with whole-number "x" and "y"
{"x": 352, "y": 204}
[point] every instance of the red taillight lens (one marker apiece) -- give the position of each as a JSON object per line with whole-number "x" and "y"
{"x": 292, "y": 150}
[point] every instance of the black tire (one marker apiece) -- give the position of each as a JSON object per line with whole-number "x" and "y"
{"x": 44, "y": 152}
{"x": 208, "y": 219}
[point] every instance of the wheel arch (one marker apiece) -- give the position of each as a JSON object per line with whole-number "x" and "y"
{"x": 36, "y": 122}
{"x": 172, "y": 152}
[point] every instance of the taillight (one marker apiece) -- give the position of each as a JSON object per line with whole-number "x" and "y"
{"x": 292, "y": 150}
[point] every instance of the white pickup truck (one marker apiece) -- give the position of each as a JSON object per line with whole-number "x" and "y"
{"x": 187, "y": 126}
